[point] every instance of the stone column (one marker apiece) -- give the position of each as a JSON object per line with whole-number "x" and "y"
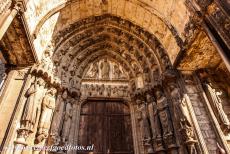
{"x": 18, "y": 6}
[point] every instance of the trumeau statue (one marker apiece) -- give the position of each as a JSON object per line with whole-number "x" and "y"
{"x": 34, "y": 97}
{"x": 105, "y": 69}
{"x": 48, "y": 106}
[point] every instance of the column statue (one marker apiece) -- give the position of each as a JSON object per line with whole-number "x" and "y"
{"x": 30, "y": 114}
{"x": 165, "y": 119}
{"x": 67, "y": 121}
{"x": 144, "y": 125}
{"x": 58, "y": 117}
{"x": 155, "y": 124}
{"x": 48, "y": 106}
{"x": 162, "y": 106}
{"x": 34, "y": 97}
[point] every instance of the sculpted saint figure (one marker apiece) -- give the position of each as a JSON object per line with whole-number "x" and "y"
{"x": 143, "y": 121}
{"x": 154, "y": 120}
{"x": 162, "y": 107}
{"x": 48, "y": 106}
{"x": 58, "y": 115}
{"x": 34, "y": 97}
{"x": 67, "y": 121}
{"x": 105, "y": 69}
{"x": 155, "y": 123}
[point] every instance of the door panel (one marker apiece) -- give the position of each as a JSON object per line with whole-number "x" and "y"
{"x": 107, "y": 125}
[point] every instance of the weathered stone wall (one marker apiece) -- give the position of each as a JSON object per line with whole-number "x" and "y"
{"x": 14, "y": 85}
{"x": 195, "y": 95}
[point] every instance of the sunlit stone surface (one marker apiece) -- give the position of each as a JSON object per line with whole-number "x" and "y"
{"x": 116, "y": 76}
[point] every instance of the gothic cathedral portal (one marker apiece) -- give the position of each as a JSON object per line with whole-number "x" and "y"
{"x": 114, "y": 77}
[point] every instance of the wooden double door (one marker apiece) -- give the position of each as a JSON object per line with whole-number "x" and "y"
{"x": 106, "y": 125}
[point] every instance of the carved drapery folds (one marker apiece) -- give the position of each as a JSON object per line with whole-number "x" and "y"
{"x": 106, "y": 69}
{"x": 165, "y": 118}
{"x": 48, "y": 106}
{"x": 155, "y": 121}
{"x": 40, "y": 104}
{"x": 161, "y": 117}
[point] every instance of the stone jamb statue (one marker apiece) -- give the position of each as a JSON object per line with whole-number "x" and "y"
{"x": 48, "y": 106}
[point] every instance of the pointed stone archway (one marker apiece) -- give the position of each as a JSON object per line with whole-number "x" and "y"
{"x": 106, "y": 58}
